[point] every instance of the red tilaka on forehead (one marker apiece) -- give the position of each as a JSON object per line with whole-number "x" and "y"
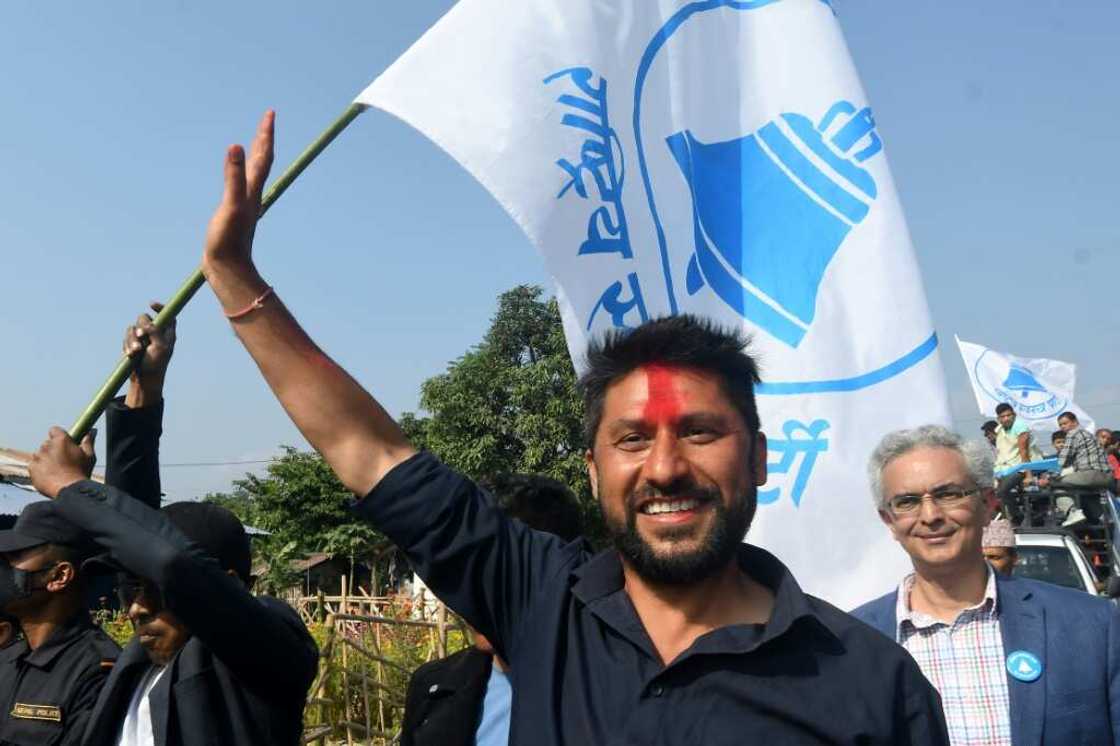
{"x": 663, "y": 404}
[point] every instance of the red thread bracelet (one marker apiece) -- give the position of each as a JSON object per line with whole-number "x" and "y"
{"x": 257, "y": 303}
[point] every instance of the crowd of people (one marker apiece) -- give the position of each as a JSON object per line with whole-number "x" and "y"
{"x": 1034, "y": 492}
{"x": 679, "y": 632}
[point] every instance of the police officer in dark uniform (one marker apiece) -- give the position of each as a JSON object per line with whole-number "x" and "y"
{"x": 50, "y": 679}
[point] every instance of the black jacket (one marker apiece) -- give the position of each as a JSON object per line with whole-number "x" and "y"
{"x": 444, "y": 700}
{"x": 243, "y": 677}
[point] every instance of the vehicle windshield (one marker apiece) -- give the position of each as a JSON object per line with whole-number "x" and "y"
{"x": 1050, "y": 564}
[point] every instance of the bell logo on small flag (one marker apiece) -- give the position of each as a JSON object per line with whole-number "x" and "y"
{"x": 1037, "y": 389}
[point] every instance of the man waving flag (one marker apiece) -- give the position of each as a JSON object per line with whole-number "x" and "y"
{"x": 679, "y": 632}
{"x": 717, "y": 158}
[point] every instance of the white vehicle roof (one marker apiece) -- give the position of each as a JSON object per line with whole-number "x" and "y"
{"x": 1067, "y": 545}
{"x": 1054, "y": 539}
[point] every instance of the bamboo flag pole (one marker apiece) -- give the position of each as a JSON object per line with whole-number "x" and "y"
{"x": 183, "y": 296}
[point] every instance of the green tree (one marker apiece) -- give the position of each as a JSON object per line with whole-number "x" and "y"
{"x": 305, "y": 509}
{"x": 360, "y": 541}
{"x": 277, "y": 573}
{"x": 510, "y": 404}
{"x": 299, "y": 500}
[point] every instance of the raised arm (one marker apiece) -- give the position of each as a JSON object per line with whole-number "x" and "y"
{"x": 135, "y": 421}
{"x": 355, "y": 435}
{"x": 262, "y": 641}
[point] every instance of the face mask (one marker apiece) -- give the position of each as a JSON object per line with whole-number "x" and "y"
{"x": 16, "y": 585}
{"x": 10, "y": 590}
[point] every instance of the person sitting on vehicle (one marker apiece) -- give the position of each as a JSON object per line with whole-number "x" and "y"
{"x": 1014, "y": 446}
{"x": 1090, "y": 469}
{"x": 1058, "y": 441}
{"x": 989, "y": 430}
{"x": 1110, "y": 442}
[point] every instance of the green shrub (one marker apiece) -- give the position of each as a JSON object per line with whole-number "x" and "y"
{"x": 116, "y": 625}
{"x": 373, "y": 685}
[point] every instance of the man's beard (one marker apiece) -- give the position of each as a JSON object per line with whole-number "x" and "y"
{"x": 717, "y": 548}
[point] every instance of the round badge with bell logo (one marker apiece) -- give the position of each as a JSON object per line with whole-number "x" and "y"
{"x": 1024, "y": 666}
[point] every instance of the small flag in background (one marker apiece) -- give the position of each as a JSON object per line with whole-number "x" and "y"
{"x": 1036, "y": 388}
{"x": 717, "y": 158}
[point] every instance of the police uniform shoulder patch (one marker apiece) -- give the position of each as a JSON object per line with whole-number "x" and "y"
{"x": 22, "y": 711}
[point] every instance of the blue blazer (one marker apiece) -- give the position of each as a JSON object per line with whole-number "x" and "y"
{"x": 1077, "y": 638}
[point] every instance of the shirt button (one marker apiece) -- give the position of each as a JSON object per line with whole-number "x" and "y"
{"x": 433, "y": 689}
{"x": 656, "y": 691}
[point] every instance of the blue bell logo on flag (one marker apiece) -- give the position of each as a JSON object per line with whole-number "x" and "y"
{"x": 772, "y": 208}
{"x": 1023, "y": 382}
{"x": 1019, "y": 387}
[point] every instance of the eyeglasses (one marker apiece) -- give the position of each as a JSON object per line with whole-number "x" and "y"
{"x": 947, "y": 497}
{"x": 130, "y": 588}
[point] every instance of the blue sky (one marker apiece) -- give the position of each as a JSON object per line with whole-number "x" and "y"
{"x": 999, "y": 119}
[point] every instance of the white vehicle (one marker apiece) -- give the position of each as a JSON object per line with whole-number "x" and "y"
{"x": 1054, "y": 556}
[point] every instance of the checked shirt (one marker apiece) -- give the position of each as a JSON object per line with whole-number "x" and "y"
{"x": 965, "y": 663}
{"x": 1083, "y": 453}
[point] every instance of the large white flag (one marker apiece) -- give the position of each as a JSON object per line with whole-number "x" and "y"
{"x": 717, "y": 158}
{"x": 1036, "y": 388}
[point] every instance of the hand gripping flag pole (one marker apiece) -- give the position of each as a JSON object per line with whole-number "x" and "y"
{"x": 183, "y": 296}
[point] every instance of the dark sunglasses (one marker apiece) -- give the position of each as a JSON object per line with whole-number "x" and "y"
{"x": 130, "y": 588}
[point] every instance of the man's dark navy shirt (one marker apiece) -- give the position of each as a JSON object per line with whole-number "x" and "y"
{"x": 583, "y": 669}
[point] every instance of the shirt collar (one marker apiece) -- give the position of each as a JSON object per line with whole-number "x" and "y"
{"x": 15, "y": 650}
{"x": 601, "y": 577}
{"x": 987, "y": 608}
{"x": 60, "y": 639}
